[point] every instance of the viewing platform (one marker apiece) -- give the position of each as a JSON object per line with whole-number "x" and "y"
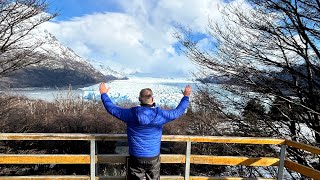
{"x": 93, "y": 159}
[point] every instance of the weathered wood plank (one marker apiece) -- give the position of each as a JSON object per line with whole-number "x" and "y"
{"x": 44, "y": 159}
{"x": 232, "y": 160}
{"x": 173, "y": 158}
{"x": 312, "y": 149}
{"x": 77, "y": 159}
{"x": 61, "y": 136}
{"x": 223, "y": 139}
{"x": 115, "y": 137}
{"x": 115, "y": 158}
{"x": 175, "y": 138}
{"x": 307, "y": 171}
{"x": 121, "y": 159}
{"x": 236, "y": 140}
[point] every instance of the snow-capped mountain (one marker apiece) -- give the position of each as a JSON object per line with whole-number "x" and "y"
{"x": 62, "y": 67}
{"x": 107, "y": 71}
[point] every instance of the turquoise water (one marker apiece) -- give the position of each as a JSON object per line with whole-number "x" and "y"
{"x": 46, "y": 94}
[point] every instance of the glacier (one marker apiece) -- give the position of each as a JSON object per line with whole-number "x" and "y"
{"x": 167, "y": 92}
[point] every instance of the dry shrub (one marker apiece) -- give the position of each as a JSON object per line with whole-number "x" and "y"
{"x": 64, "y": 115}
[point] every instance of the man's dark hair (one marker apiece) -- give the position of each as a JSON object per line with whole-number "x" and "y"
{"x": 145, "y": 96}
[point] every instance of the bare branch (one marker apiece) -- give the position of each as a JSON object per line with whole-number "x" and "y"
{"x": 18, "y": 21}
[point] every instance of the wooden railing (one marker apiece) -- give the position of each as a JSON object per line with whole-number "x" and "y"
{"x": 93, "y": 158}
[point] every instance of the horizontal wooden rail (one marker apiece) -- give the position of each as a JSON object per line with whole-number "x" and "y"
{"x": 306, "y": 147}
{"x": 43, "y": 159}
{"x": 165, "y": 158}
{"x": 116, "y": 137}
{"x": 309, "y": 172}
{"x": 236, "y": 140}
{"x": 62, "y": 136}
{"x": 121, "y": 159}
{"x": 78, "y": 159}
{"x": 233, "y": 160}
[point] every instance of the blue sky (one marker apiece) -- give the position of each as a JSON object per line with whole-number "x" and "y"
{"x": 68, "y": 9}
{"x": 133, "y": 35}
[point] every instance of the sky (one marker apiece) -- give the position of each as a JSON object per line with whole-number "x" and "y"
{"x": 133, "y": 35}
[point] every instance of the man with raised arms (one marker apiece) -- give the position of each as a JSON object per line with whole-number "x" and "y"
{"x": 144, "y": 130}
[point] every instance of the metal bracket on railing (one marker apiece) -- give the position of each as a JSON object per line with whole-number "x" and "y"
{"x": 281, "y": 163}
{"x": 92, "y": 160}
{"x": 187, "y": 166}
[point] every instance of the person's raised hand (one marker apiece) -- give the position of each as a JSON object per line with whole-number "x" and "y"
{"x": 187, "y": 91}
{"x": 103, "y": 88}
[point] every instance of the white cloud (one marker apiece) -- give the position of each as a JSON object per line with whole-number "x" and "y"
{"x": 140, "y": 37}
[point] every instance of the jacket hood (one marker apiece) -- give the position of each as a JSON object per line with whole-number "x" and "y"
{"x": 146, "y": 114}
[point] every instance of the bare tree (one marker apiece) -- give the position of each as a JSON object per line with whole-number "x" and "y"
{"x": 271, "y": 48}
{"x": 18, "y": 45}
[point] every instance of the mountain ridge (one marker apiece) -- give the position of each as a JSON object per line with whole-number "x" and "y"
{"x": 61, "y": 68}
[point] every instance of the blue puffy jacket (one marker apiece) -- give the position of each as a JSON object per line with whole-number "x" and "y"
{"x": 144, "y": 124}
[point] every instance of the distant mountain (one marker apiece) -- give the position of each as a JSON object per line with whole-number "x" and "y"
{"x": 215, "y": 79}
{"x": 285, "y": 80}
{"x": 107, "y": 71}
{"x": 62, "y": 67}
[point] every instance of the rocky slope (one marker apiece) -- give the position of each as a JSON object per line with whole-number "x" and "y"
{"x": 62, "y": 67}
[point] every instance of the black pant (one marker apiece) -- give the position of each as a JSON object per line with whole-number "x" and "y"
{"x": 143, "y": 168}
